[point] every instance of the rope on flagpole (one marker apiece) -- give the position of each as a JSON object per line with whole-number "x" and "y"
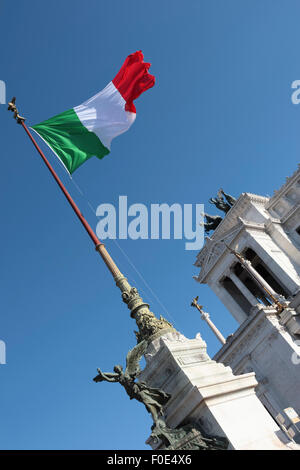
{"x": 153, "y": 295}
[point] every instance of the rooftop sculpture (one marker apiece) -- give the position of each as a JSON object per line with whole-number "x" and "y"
{"x": 212, "y": 221}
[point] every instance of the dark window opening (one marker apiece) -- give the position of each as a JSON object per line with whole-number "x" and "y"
{"x": 251, "y": 285}
{"x": 263, "y": 270}
{"x": 298, "y": 230}
{"x": 236, "y": 294}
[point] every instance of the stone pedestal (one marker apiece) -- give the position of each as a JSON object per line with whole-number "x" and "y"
{"x": 208, "y": 393}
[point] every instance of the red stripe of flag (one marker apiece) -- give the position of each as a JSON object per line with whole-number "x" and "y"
{"x": 133, "y": 79}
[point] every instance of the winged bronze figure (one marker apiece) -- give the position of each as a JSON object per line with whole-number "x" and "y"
{"x": 153, "y": 398}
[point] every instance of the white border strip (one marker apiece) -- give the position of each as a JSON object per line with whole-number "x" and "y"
{"x": 62, "y": 163}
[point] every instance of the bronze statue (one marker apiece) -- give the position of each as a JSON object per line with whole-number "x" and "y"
{"x": 230, "y": 199}
{"x": 212, "y": 222}
{"x": 220, "y": 203}
{"x": 153, "y": 398}
{"x": 188, "y": 436}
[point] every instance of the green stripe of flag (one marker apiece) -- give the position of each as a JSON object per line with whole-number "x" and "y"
{"x": 72, "y": 142}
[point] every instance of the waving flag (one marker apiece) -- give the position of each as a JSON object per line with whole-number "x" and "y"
{"x": 88, "y": 129}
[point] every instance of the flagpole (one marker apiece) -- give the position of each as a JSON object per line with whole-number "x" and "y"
{"x": 62, "y": 187}
{"x": 149, "y": 325}
{"x": 98, "y": 244}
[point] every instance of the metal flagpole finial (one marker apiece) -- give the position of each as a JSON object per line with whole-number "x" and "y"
{"x": 12, "y": 107}
{"x": 194, "y": 303}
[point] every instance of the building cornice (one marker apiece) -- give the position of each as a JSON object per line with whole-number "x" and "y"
{"x": 290, "y": 180}
{"x": 216, "y": 249}
{"x": 237, "y": 211}
{"x": 231, "y": 219}
{"x": 290, "y": 214}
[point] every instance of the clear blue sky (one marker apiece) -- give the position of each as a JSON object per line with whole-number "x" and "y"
{"x": 220, "y": 114}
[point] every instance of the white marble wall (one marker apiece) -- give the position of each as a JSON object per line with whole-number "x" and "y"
{"x": 208, "y": 392}
{"x": 266, "y": 341}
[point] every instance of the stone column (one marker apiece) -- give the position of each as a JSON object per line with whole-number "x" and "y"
{"x": 239, "y": 284}
{"x": 237, "y": 312}
{"x": 276, "y": 260}
{"x": 205, "y": 316}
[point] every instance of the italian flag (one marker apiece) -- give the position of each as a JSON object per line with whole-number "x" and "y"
{"x": 88, "y": 129}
